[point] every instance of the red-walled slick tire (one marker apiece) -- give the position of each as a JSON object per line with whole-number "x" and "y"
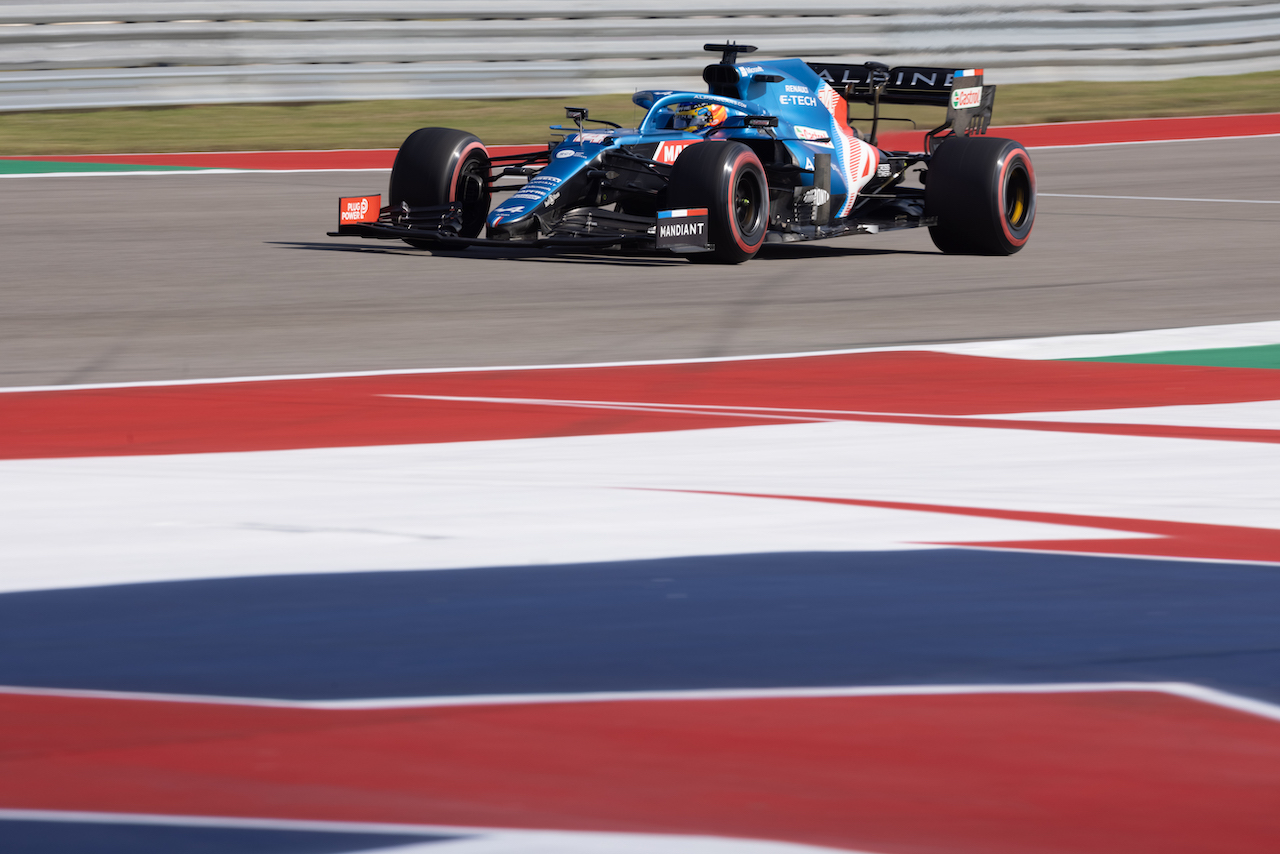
{"x": 983, "y": 192}
{"x": 727, "y": 179}
{"x": 438, "y": 166}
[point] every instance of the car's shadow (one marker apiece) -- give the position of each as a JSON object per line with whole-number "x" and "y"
{"x": 795, "y": 251}
{"x": 515, "y": 253}
{"x": 607, "y": 257}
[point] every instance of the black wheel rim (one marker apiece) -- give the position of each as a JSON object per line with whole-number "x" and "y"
{"x": 471, "y": 194}
{"x": 747, "y": 202}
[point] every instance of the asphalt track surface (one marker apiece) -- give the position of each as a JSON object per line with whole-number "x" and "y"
{"x": 160, "y": 277}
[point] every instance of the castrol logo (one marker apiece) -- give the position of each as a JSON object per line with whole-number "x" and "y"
{"x": 963, "y": 99}
{"x": 359, "y": 209}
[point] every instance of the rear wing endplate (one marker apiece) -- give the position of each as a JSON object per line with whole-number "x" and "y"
{"x": 970, "y": 105}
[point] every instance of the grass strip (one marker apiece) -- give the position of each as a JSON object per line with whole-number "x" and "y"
{"x": 1262, "y": 356}
{"x": 41, "y": 167}
{"x": 385, "y": 124}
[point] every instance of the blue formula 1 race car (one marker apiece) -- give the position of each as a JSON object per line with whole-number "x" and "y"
{"x": 766, "y": 155}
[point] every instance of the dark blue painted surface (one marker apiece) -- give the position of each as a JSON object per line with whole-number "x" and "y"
{"x": 810, "y": 619}
{"x": 42, "y": 837}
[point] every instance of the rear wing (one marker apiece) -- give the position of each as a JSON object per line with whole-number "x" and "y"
{"x": 905, "y": 85}
{"x": 969, "y": 103}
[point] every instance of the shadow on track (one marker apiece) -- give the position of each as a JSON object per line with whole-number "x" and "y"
{"x": 515, "y": 253}
{"x": 798, "y": 251}
{"x": 772, "y": 252}
{"x": 345, "y": 247}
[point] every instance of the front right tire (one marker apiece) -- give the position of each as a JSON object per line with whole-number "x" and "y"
{"x": 728, "y": 180}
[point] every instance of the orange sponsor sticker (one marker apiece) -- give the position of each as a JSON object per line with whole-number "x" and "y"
{"x": 359, "y": 209}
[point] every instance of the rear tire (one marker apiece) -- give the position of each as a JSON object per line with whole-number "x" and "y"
{"x": 983, "y": 192}
{"x": 727, "y": 179}
{"x": 439, "y": 166}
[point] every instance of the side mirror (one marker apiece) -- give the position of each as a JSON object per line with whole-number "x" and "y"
{"x": 577, "y": 115}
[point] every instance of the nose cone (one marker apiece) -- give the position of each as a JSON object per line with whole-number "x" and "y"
{"x": 541, "y": 191}
{"x": 517, "y": 216}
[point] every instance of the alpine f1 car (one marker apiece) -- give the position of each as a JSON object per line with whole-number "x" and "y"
{"x": 766, "y": 155}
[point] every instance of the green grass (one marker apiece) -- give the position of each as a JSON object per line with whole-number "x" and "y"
{"x": 385, "y": 124}
{"x": 1262, "y": 356}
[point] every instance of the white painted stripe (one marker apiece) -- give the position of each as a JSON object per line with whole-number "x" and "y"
{"x": 160, "y": 820}
{"x": 1161, "y": 199}
{"x": 1051, "y": 347}
{"x": 1253, "y": 415}
{"x": 1147, "y": 120}
{"x": 1157, "y": 141}
{"x": 1113, "y": 122}
{"x": 672, "y": 408}
{"x": 455, "y": 370}
{"x": 81, "y": 522}
{"x": 1258, "y": 334}
{"x": 474, "y": 840}
{"x": 1185, "y": 690}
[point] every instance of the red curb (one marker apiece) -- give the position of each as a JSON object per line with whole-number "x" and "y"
{"x": 1089, "y": 773}
{"x": 1115, "y": 132}
{"x": 352, "y": 158}
{"x": 902, "y": 387}
{"x": 1034, "y": 136}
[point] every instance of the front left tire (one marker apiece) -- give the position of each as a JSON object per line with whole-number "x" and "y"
{"x": 439, "y": 166}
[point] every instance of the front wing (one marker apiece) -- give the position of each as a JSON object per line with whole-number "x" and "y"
{"x": 593, "y": 228}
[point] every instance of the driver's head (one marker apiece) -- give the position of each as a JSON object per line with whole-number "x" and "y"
{"x": 699, "y": 116}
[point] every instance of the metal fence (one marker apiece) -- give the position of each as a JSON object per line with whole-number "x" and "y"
{"x": 57, "y": 54}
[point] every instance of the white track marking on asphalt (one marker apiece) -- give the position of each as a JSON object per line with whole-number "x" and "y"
{"x": 475, "y": 840}
{"x": 1223, "y": 336}
{"x": 1252, "y": 415}
{"x": 1160, "y": 199}
{"x": 80, "y": 522}
{"x": 752, "y": 412}
{"x": 1156, "y": 141}
{"x": 1185, "y": 690}
{"x": 1048, "y": 348}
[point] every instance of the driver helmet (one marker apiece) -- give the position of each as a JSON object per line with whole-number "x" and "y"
{"x": 699, "y": 116}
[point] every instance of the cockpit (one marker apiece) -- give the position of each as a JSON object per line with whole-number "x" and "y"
{"x": 693, "y": 115}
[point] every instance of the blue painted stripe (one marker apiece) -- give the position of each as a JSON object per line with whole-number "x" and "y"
{"x": 51, "y": 837}
{"x": 767, "y": 620}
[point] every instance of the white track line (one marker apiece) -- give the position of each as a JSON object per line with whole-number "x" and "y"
{"x": 1050, "y": 347}
{"x": 1266, "y": 419}
{"x": 159, "y": 820}
{"x": 737, "y": 411}
{"x": 1185, "y": 690}
{"x": 1155, "y": 141}
{"x": 1161, "y": 199}
{"x": 466, "y": 840}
